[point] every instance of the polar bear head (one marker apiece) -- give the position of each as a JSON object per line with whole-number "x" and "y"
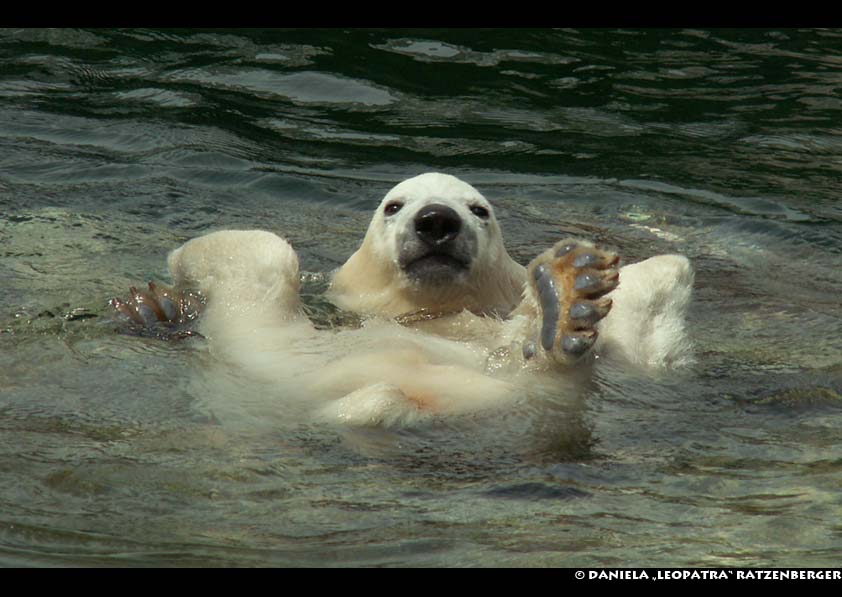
{"x": 433, "y": 243}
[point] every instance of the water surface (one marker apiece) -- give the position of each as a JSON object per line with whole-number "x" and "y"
{"x": 118, "y": 145}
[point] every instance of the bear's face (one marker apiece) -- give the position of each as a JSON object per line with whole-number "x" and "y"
{"x": 436, "y": 230}
{"x": 433, "y": 244}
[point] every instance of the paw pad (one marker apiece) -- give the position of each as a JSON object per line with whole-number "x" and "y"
{"x": 570, "y": 281}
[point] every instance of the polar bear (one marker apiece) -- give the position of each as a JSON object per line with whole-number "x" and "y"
{"x": 451, "y": 323}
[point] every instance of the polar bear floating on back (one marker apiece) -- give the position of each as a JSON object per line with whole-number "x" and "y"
{"x": 452, "y": 323}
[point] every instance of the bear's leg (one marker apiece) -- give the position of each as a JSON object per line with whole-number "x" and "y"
{"x": 647, "y": 323}
{"x": 567, "y": 287}
{"x": 244, "y": 276}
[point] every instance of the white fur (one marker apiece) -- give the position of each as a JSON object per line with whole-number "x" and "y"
{"x": 370, "y": 281}
{"x": 646, "y": 325}
{"x": 461, "y": 359}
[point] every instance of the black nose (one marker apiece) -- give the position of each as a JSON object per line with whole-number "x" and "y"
{"x": 437, "y": 224}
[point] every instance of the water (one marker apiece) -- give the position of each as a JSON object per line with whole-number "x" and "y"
{"x": 117, "y": 146}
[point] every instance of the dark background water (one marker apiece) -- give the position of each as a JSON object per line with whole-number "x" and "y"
{"x": 118, "y": 145}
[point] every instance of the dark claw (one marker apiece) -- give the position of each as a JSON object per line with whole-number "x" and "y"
{"x": 147, "y": 306}
{"x": 169, "y": 308}
{"x": 124, "y": 312}
{"x": 596, "y": 260}
{"x": 596, "y": 285}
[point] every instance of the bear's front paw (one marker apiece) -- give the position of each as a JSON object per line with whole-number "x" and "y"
{"x": 158, "y": 311}
{"x": 570, "y": 282}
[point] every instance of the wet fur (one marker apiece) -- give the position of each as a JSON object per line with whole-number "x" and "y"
{"x": 466, "y": 339}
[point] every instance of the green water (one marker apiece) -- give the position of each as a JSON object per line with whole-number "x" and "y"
{"x": 118, "y": 145}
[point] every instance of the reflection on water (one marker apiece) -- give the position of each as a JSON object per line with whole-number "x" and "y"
{"x": 117, "y": 146}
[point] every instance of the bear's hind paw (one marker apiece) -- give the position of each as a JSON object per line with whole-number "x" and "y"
{"x": 158, "y": 311}
{"x": 570, "y": 282}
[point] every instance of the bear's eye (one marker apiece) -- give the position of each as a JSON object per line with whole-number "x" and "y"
{"x": 479, "y": 211}
{"x": 392, "y": 208}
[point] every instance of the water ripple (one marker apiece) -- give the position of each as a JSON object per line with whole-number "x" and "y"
{"x": 118, "y": 145}
{"x": 305, "y": 87}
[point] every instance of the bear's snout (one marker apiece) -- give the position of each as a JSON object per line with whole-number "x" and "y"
{"x": 437, "y": 224}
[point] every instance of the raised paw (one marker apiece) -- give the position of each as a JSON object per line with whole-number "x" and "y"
{"x": 570, "y": 282}
{"x": 158, "y": 311}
